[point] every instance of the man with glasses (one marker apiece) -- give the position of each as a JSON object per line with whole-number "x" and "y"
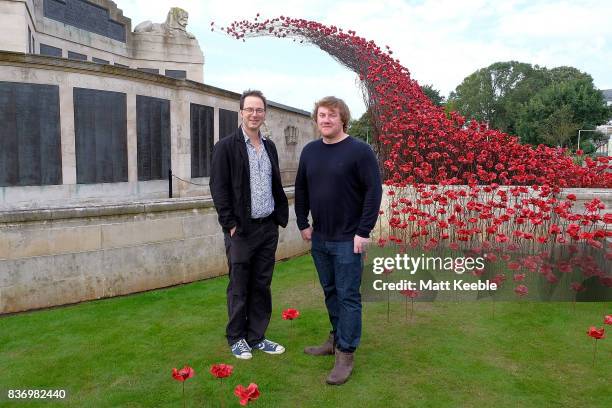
{"x": 246, "y": 188}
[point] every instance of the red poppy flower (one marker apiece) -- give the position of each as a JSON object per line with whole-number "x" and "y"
{"x": 512, "y": 247}
{"x": 564, "y": 267}
{"x": 501, "y": 238}
{"x": 595, "y": 244}
{"x": 595, "y": 333}
{"x": 491, "y": 257}
{"x": 387, "y": 271}
{"x": 521, "y": 290}
{"x": 606, "y": 281}
{"x": 551, "y": 278}
{"x": 290, "y": 314}
{"x": 410, "y": 293}
{"x": 478, "y": 272}
{"x": 498, "y": 279}
{"x": 519, "y": 277}
{"x": 246, "y": 394}
{"x": 183, "y": 374}
{"x": 221, "y": 370}
{"x": 608, "y": 319}
{"x": 577, "y": 287}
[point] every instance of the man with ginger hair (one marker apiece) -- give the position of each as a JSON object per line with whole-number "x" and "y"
{"x": 338, "y": 182}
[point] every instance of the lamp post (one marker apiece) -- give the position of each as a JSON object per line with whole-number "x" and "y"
{"x": 583, "y": 130}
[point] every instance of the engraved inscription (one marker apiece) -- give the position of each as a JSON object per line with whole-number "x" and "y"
{"x": 84, "y": 15}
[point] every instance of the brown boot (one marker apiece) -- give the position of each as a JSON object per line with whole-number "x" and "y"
{"x": 326, "y": 349}
{"x": 342, "y": 368}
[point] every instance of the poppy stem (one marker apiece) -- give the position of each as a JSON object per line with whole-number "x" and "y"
{"x": 411, "y": 309}
{"x": 388, "y": 304}
{"x": 406, "y": 308}
{"x": 222, "y": 395}
{"x": 184, "y": 402}
{"x": 594, "y": 350}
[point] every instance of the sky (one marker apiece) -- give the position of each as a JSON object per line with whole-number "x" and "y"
{"x": 440, "y": 41}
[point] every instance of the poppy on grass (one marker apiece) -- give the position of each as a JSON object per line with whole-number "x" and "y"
{"x": 246, "y": 394}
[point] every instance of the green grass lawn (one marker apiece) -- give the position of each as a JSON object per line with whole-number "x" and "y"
{"x": 120, "y": 352}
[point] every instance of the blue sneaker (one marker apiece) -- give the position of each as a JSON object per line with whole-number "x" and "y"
{"x": 241, "y": 350}
{"x": 269, "y": 347}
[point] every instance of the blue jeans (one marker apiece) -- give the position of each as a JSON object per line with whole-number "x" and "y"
{"x": 339, "y": 270}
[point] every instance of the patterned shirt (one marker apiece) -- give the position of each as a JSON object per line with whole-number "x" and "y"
{"x": 262, "y": 201}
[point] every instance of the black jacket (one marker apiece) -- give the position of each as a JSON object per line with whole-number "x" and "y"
{"x": 230, "y": 184}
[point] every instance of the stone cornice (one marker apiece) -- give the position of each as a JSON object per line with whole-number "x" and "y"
{"x": 86, "y": 67}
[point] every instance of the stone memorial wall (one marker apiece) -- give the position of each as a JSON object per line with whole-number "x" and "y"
{"x": 86, "y": 216}
{"x": 94, "y": 116}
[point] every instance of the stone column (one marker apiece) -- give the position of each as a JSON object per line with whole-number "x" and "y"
{"x": 216, "y": 124}
{"x": 68, "y": 143}
{"x": 180, "y": 141}
{"x": 132, "y": 138}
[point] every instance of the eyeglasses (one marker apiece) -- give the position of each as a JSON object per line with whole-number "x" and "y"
{"x": 259, "y": 111}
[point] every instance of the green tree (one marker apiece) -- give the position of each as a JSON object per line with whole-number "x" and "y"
{"x": 537, "y": 104}
{"x": 554, "y": 115}
{"x": 565, "y": 74}
{"x": 494, "y": 94}
{"x": 362, "y": 128}
{"x": 433, "y": 94}
{"x": 557, "y": 128}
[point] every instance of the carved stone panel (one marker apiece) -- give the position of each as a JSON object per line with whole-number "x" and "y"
{"x": 202, "y": 139}
{"x": 86, "y": 16}
{"x": 100, "y": 127}
{"x": 153, "y": 130}
{"x": 228, "y": 122}
{"x": 30, "y": 147}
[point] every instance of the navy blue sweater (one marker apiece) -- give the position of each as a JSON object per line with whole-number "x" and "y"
{"x": 340, "y": 185}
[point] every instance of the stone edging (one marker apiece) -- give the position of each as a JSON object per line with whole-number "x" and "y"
{"x": 82, "y": 210}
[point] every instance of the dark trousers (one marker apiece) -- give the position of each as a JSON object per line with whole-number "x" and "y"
{"x": 340, "y": 270}
{"x": 249, "y": 300}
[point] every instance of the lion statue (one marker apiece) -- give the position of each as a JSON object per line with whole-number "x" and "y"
{"x": 175, "y": 24}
